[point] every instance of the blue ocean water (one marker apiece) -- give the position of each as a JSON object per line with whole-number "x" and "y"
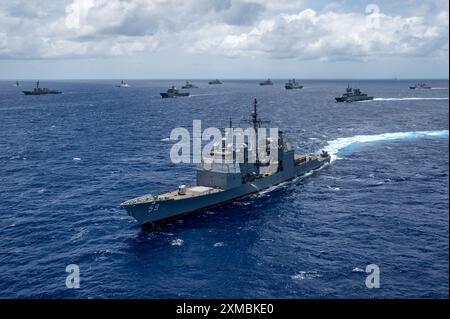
{"x": 67, "y": 161}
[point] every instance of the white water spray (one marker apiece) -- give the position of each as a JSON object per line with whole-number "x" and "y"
{"x": 337, "y": 145}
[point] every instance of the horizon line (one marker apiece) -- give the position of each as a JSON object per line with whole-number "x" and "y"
{"x": 221, "y": 78}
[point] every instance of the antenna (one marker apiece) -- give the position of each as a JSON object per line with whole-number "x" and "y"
{"x": 254, "y": 119}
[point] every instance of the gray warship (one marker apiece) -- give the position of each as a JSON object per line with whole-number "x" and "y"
{"x": 173, "y": 92}
{"x": 420, "y": 86}
{"x": 41, "y": 91}
{"x": 292, "y": 84}
{"x": 353, "y": 95}
{"x": 266, "y": 82}
{"x": 216, "y": 81}
{"x": 123, "y": 84}
{"x": 189, "y": 85}
{"x": 219, "y": 183}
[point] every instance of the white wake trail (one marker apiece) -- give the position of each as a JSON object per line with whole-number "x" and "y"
{"x": 407, "y": 98}
{"x": 337, "y": 145}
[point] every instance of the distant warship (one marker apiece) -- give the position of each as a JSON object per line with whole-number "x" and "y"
{"x": 40, "y": 91}
{"x": 292, "y": 84}
{"x": 216, "y": 81}
{"x": 222, "y": 182}
{"x": 266, "y": 82}
{"x": 17, "y": 84}
{"x": 419, "y": 86}
{"x": 189, "y": 86}
{"x": 173, "y": 92}
{"x": 123, "y": 84}
{"x": 353, "y": 95}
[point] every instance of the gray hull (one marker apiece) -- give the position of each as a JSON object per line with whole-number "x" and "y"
{"x": 152, "y": 211}
{"x": 169, "y": 95}
{"x": 41, "y": 93}
{"x": 354, "y": 99}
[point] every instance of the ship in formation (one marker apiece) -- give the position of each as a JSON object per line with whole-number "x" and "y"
{"x": 173, "y": 92}
{"x": 293, "y": 84}
{"x": 123, "y": 84}
{"x": 266, "y": 82}
{"x": 216, "y": 81}
{"x": 353, "y": 95}
{"x": 41, "y": 91}
{"x": 189, "y": 85}
{"x": 226, "y": 181}
{"x": 420, "y": 86}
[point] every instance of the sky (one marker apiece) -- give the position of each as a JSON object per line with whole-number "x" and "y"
{"x": 161, "y": 39}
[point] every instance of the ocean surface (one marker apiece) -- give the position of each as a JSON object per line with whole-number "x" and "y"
{"x": 67, "y": 162}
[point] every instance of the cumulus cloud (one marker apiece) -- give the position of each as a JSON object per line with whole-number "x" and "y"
{"x": 234, "y": 28}
{"x": 338, "y": 36}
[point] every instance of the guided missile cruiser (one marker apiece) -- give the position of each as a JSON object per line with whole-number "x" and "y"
{"x": 223, "y": 182}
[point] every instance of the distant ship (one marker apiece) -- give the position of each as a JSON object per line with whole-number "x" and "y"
{"x": 266, "y": 82}
{"x": 123, "y": 84}
{"x": 220, "y": 183}
{"x": 419, "y": 86}
{"x": 353, "y": 95}
{"x": 40, "y": 91}
{"x": 189, "y": 86}
{"x": 17, "y": 84}
{"x": 292, "y": 84}
{"x": 216, "y": 81}
{"x": 173, "y": 92}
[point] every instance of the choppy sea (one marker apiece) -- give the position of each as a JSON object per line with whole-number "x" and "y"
{"x": 67, "y": 161}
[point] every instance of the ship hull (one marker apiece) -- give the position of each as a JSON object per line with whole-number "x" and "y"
{"x": 41, "y": 93}
{"x": 155, "y": 211}
{"x": 293, "y": 87}
{"x": 354, "y": 99}
{"x": 168, "y": 95}
{"x": 359, "y": 98}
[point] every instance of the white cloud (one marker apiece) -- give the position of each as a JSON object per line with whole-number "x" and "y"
{"x": 340, "y": 36}
{"x": 234, "y": 28}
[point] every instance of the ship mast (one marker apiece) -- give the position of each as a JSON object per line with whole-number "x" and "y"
{"x": 254, "y": 119}
{"x": 256, "y": 122}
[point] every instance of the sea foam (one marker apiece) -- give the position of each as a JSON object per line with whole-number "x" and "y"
{"x": 336, "y": 146}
